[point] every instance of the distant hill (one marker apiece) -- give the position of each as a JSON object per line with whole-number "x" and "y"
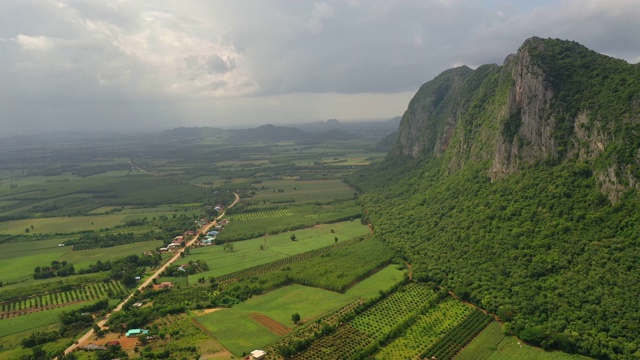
{"x": 268, "y": 133}
{"x": 263, "y": 133}
{"x": 371, "y": 128}
{"x": 516, "y": 186}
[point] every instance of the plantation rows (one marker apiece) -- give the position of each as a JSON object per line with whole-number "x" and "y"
{"x": 428, "y": 328}
{"x": 383, "y": 317}
{"x": 449, "y": 345}
{"x": 278, "y": 264}
{"x": 362, "y": 336}
{"x": 314, "y": 330}
{"x": 269, "y": 205}
{"x": 122, "y": 229}
{"x": 262, "y": 214}
{"x": 61, "y": 298}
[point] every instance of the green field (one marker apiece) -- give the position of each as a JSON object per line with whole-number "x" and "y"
{"x": 26, "y": 322}
{"x": 55, "y": 225}
{"x": 248, "y": 253}
{"x": 239, "y": 333}
{"x": 257, "y": 218}
{"x": 229, "y": 325}
{"x": 492, "y": 344}
{"x": 20, "y": 259}
{"x": 383, "y": 280}
{"x": 303, "y": 191}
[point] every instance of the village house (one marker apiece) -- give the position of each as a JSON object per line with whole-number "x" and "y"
{"x": 136, "y": 332}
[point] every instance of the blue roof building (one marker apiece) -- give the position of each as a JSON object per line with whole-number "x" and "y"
{"x": 136, "y": 332}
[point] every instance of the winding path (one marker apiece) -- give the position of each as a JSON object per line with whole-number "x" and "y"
{"x": 146, "y": 283}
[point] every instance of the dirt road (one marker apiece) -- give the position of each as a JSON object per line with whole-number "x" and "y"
{"x": 146, "y": 283}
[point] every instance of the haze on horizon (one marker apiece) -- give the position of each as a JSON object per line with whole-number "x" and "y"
{"x": 140, "y": 65}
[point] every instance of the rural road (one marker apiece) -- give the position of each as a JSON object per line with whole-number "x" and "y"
{"x": 146, "y": 283}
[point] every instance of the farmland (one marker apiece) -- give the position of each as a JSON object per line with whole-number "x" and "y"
{"x": 295, "y": 244}
{"x": 277, "y": 305}
{"x": 63, "y": 298}
{"x": 249, "y": 252}
{"x": 492, "y": 344}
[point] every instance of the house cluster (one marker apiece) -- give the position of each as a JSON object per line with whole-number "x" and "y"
{"x": 177, "y": 242}
{"x": 210, "y": 238}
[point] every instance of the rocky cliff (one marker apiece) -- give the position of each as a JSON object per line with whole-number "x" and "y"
{"x": 551, "y": 102}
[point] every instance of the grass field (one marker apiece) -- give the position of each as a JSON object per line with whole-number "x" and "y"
{"x": 18, "y": 260}
{"x": 248, "y": 253}
{"x": 492, "y": 344}
{"x": 239, "y": 333}
{"x": 83, "y": 258}
{"x": 272, "y": 218}
{"x": 381, "y": 280}
{"x": 35, "y": 320}
{"x": 311, "y": 190}
{"x": 61, "y": 224}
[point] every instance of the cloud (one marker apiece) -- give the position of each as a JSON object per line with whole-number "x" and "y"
{"x": 79, "y": 63}
{"x": 37, "y": 43}
{"x": 321, "y": 11}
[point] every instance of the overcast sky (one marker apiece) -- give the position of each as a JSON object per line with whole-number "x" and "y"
{"x": 103, "y": 65}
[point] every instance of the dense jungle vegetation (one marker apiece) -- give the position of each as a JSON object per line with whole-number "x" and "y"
{"x": 543, "y": 248}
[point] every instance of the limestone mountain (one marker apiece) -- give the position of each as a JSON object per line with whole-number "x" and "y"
{"x": 515, "y": 186}
{"x": 553, "y": 101}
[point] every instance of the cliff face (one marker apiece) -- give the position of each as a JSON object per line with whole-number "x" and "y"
{"x": 553, "y": 101}
{"x": 433, "y": 113}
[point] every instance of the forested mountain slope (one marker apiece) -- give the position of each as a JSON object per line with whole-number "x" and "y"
{"x": 516, "y": 187}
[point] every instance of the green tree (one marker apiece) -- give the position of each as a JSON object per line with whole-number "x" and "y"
{"x": 292, "y": 237}
{"x": 295, "y": 317}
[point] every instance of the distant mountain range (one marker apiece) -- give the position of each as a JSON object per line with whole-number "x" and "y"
{"x": 315, "y": 132}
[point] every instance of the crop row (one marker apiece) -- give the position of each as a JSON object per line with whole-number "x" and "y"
{"x": 305, "y": 335}
{"x": 61, "y": 298}
{"x": 383, "y": 321}
{"x": 428, "y": 328}
{"x": 278, "y": 264}
{"x": 450, "y": 344}
{"x": 262, "y": 214}
{"x": 269, "y": 205}
{"x": 384, "y": 316}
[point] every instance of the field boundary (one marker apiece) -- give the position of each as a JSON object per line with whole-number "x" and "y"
{"x": 272, "y": 325}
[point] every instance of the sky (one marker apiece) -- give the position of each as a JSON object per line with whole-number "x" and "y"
{"x": 147, "y": 65}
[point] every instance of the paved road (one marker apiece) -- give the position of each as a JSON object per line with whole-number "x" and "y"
{"x": 175, "y": 257}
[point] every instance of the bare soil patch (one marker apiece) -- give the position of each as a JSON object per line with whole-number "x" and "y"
{"x": 206, "y": 311}
{"x": 125, "y": 342}
{"x": 273, "y": 326}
